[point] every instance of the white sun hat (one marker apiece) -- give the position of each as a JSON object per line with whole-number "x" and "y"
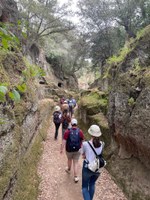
{"x": 74, "y": 121}
{"x": 95, "y": 131}
{"x": 57, "y": 108}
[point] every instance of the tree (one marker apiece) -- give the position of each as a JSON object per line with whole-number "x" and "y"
{"x": 104, "y": 21}
{"x": 69, "y": 52}
{"x": 132, "y": 15}
{"x": 124, "y": 13}
{"x": 42, "y": 18}
{"x": 97, "y": 17}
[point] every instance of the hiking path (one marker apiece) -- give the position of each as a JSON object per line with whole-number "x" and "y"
{"x": 56, "y": 184}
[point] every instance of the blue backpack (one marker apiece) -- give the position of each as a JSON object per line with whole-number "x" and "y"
{"x": 70, "y": 103}
{"x": 73, "y": 141}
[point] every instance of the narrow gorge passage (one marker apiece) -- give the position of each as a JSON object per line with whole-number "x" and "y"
{"x": 56, "y": 184}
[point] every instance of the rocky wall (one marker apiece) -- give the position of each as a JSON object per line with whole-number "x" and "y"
{"x": 129, "y": 118}
{"x": 20, "y": 121}
{"x": 92, "y": 109}
{"x": 16, "y": 142}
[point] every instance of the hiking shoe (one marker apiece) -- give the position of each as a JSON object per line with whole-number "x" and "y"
{"x": 76, "y": 179}
{"x": 67, "y": 170}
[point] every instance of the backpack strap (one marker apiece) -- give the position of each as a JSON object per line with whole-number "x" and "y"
{"x": 92, "y": 149}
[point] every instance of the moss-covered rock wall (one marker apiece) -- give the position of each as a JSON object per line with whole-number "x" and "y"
{"x": 129, "y": 116}
{"x": 92, "y": 109}
{"x": 23, "y": 124}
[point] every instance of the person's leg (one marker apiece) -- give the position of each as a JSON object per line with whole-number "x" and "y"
{"x": 63, "y": 131}
{"x": 75, "y": 167}
{"x": 69, "y": 161}
{"x": 56, "y": 130}
{"x": 85, "y": 182}
{"x": 92, "y": 185}
{"x": 55, "y": 136}
{"x": 71, "y": 110}
{"x": 69, "y": 164}
{"x": 76, "y": 156}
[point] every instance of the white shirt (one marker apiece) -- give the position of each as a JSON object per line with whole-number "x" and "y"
{"x": 88, "y": 151}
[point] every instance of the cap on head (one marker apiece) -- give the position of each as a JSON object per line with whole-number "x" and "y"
{"x": 95, "y": 131}
{"x": 57, "y": 108}
{"x": 74, "y": 122}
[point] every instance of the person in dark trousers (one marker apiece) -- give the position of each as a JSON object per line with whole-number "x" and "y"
{"x": 72, "y": 140}
{"x": 57, "y": 120}
{"x": 65, "y": 120}
{"x": 89, "y": 177}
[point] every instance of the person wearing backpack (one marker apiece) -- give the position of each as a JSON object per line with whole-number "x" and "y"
{"x": 72, "y": 141}
{"x": 65, "y": 106}
{"x": 89, "y": 177}
{"x": 56, "y": 120}
{"x": 65, "y": 120}
{"x": 72, "y": 104}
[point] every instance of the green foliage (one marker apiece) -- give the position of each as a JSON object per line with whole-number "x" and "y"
{"x": 106, "y": 73}
{"x": 32, "y": 71}
{"x": 22, "y": 88}
{"x": 143, "y": 32}
{"x": 122, "y": 54}
{"x": 8, "y": 39}
{"x": 131, "y": 101}
{"x": 137, "y": 65}
{"x": 3, "y": 91}
{"x": 13, "y": 92}
{"x": 95, "y": 101}
{"x": 140, "y": 34}
{"x": 2, "y": 121}
{"x": 14, "y": 95}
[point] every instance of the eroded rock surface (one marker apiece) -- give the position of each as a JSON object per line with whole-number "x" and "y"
{"x": 129, "y": 118}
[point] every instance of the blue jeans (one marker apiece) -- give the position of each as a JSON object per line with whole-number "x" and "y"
{"x": 88, "y": 182}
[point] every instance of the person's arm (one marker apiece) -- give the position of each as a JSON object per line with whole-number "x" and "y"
{"x": 81, "y": 135}
{"x": 62, "y": 146}
{"x": 83, "y": 152}
{"x": 64, "y": 141}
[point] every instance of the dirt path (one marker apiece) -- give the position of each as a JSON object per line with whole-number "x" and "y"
{"x": 57, "y": 185}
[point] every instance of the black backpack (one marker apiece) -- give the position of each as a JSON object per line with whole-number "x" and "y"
{"x": 56, "y": 117}
{"x": 65, "y": 124}
{"x": 73, "y": 141}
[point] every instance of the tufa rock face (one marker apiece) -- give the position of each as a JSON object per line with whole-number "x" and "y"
{"x": 129, "y": 114}
{"x": 8, "y": 11}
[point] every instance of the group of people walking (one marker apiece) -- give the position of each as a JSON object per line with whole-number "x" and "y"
{"x": 74, "y": 143}
{"x": 63, "y": 114}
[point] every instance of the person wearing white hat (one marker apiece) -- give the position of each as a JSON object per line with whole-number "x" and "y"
{"x": 89, "y": 177}
{"x": 72, "y": 140}
{"x": 56, "y": 120}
